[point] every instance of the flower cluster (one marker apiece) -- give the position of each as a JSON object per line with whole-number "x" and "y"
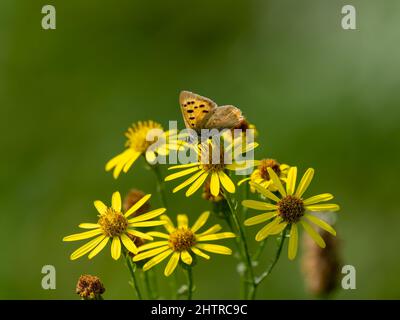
{"x": 218, "y": 166}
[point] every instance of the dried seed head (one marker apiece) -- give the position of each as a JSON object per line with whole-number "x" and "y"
{"x": 137, "y": 241}
{"x": 90, "y": 287}
{"x": 207, "y": 194}
{"x": 133, "y": 196}
{"x": 321, "y": 267}
{"x": 268, "y": 163}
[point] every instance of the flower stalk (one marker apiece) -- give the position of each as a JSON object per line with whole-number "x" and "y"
{"x": 245, "y": 253}
{"x": 132, "y": 268}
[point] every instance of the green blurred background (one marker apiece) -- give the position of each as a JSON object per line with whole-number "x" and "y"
{"x": 320, "y": 96}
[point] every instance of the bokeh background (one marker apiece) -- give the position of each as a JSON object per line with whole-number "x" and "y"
{"x": 320, "y": 96}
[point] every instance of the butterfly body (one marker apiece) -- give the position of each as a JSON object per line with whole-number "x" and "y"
{"x": 202, "y": 113}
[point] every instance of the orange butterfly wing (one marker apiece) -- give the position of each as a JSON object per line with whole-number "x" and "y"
{"x": 196, "y": 110}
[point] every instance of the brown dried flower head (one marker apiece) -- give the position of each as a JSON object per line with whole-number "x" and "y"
{"x": 321, "y": 267}
{"x": 90, "y": 287}
{"x": 133, "y": 196}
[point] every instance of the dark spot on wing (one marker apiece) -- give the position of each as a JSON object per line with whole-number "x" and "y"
{"x": 190, "y": 111}
{"x": 192, "y": 118}
{"x": 205, "y": 111}
{"x": 202, "y": 106}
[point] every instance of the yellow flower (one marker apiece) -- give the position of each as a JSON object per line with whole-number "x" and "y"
{"x": 290, "y": 209}
{"x": 140, "y": 141}
{"x": 115, "y": 225}
{"x": 182, "y": 242}
{"x": 207, "y": 168}
{"x": 262, "y": 177}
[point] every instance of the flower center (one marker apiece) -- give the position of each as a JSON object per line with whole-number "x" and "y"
{"x": 291, "y": 209}
{"x": 211, "y": 158}
{"x": 137, "y": 135}
{"x": 182, "y": 239}
{"x": 268, "y": 163}
{"x": 113, "y": 223}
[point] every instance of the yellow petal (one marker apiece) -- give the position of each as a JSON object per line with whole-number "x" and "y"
{"x": 260, "y": 218}
{"x": 305, "y": 182}
{"x": 265, "y": 231}
{"x": 100, "y": 206}
{"x": 226, "y": 182}
{"x": 214, "y": 184}
{"x": 319, "y": 198}
{"x": 149, "y": 215}
{"x": 150, "y": 253}
{"x": 200, "y": 221}
{"x": 152, "y": 223}
{"x": 213, "y": 229}
{"x": 259, "y": 205}
{"x": 182, "y": 221}
{"x": 89, "y": 225}
{"x": 188, "y": 181}
{"x": 216, "y": 236}
{"x": 125, "y": 156}
{"x": 313, "y": 234}
{"x": 293, "y": 242}
{"x": 200, "y": 253}
{"x": 100, "y": 247}
{"x": 116, "y": 248}
{"x": 243, "y": 180}
{"x": 278, "y": 228}
{"x": 129, "y": 244}
{"x": 291, "y": 180}
{"x": 179, "y": 174}
{"x": 158, "y": 234}
{"x": 184, "y": 166}
{"x": 277, "y": 182}
{"x": 264, "y": 191}
{"x": 116, "y": 201}
{"x": 82, "y": 235}
{"x": 152, "y": 245}
{"x": 320, "y": 223}
{"x": 323, "y": 207}
{"x": 186, "y": 257}
{"x": 131, "y": 161}
{"x": 86, "y": 248}
{"x": 169, "y": 225}
{"x": 172, "y": 263}
{"x": 197, "y": 184}
{"x": 137, "y": 205}
{"x": 215, "y": 248}
{"x": 157, "y": 259}
{"x": 151, "y": 157}
{"x": 139, "y": 234}
{"x": 114, "y": 161}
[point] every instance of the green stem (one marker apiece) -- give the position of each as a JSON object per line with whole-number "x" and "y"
{"x": 160, "y": 184}
{"x": 242, "y": 236}
{"x": 131, "y": 266}
{"x": 271, "y": 266}
{"x": 148, "y": 285}
{"x": 190, "y": 282}
{"x": 246, "y": 195}
{"x": 153, "y": 283}
{"x": 260, "y": 250}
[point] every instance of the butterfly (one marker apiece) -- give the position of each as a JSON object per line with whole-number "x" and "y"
{"x": 202, "y": 113}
